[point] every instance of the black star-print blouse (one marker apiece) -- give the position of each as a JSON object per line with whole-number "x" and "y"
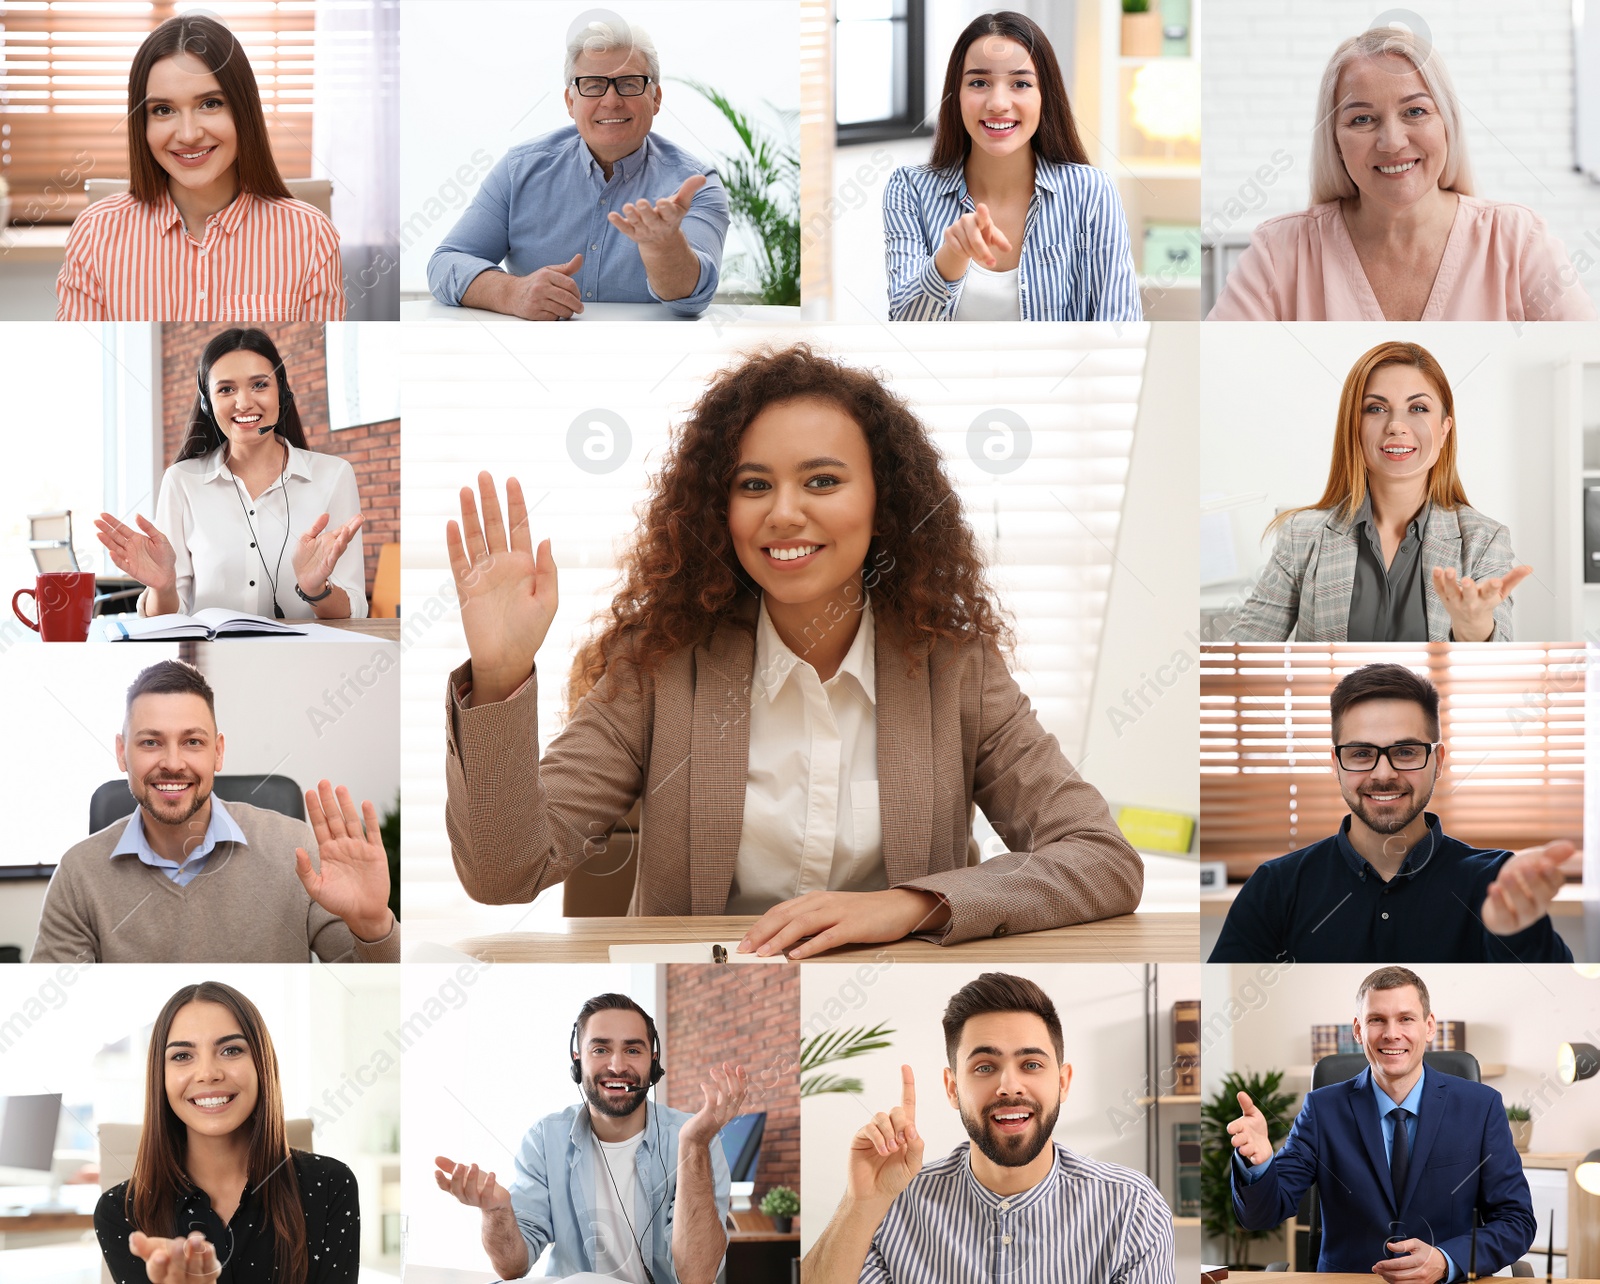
{"x": 246, "y": 1247}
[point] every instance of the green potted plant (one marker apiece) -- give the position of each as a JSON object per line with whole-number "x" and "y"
{"x": 1141, "y": 29}
{"x": 1216, "y": 1156}
{"x": 1521, "y": 1122}
{"x": 781, "y": 1204}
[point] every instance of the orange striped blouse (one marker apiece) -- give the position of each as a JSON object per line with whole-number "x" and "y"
{"x": 262, "y": 260}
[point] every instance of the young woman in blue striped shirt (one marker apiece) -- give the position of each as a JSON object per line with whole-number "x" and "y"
{"x": 1007, "y": 221}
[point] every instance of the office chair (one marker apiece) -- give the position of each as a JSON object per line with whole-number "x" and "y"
{"x": 112, "y": 800}
{"x": 313, "y": 191}
{"x": 50, "y": 542}
{"x": 1347, "y": 1065}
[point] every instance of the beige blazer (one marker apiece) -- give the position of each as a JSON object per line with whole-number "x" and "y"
{"x": 959, "y": 732}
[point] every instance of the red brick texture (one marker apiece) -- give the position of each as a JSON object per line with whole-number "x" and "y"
{"x": 372, "y": 449}
{"x": 749, "y": 1015}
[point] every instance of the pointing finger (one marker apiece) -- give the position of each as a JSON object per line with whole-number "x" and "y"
{"x": 908, "y": 1091}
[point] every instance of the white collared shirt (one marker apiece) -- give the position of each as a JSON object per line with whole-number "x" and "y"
{"x": 811, "y": 820}
{"x": 208, "y": 516}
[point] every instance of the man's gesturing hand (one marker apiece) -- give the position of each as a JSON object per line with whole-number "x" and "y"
{"x": 176, "y": 1261}
{"x": 1248, "y": 1133}
{"x": 644, "y": 223}
{"x": 473, "y": 1188}
{"x": 1422, "y": 1263}
{"x": 1523, "y": 889}
{"x": 352, "y": 881}
{"x": 887, "y": 1153}
{"x": 724, "y": 1099}
{"x": 550, "y": 294}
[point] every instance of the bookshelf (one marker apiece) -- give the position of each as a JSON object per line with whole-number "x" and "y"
{"x": 1165, "y": 1070}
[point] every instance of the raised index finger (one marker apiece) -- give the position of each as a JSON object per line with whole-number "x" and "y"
{"x": 908, "y": 1092}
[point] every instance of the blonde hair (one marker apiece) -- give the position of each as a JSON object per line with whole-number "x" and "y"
{"x": 1330, "y": 180}
{"x": 1347, "y": 474}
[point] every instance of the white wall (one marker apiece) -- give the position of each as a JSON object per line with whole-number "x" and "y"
{"x": 502, "y": 85}
{"x": 1101, "y": 1009}
{"x": 1513, "y": 70}
{"x": 1269, "y": 399}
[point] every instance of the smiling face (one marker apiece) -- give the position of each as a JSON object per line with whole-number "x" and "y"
{"x": 211, "y": 1078}
{"x": 611, "y": 125}
{"x": 999, "y": 96}
{"x": 802, "y": 501}
{"x": 614, "y": 1053}
{"x": 1389, "y": 130}
{"x": 171, "y": 750}
{"x": 1394, "y": 1034}
{"x": 1383, "y": 799}
{"x": 188, "y": 123}
{"x": 244, "y": 395}
{"x": 1008, "y": 1086}
{"x": 1403, "y": 424}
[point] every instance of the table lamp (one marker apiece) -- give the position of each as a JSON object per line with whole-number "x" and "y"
{"x": 1588, "y": 1172}
{"x": 1575, "y": 1061}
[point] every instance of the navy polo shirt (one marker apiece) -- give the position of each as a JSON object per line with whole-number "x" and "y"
{"x": 1326, "y": 904}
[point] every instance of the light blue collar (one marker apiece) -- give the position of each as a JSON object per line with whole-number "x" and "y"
{"x": 1386, "y": 1103}
{"x": 222, "y": 828}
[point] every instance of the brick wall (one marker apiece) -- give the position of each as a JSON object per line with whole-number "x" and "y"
{"x": 373, "y": 450}
{"x": 749, "y": 1015}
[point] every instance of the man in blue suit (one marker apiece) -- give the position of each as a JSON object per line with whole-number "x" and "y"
{"x": 1402, "y": 1156}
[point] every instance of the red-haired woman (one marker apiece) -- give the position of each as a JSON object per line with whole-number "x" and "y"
{"x": 217, "y": 1196}
{"x": 799, "y": 679}
{"x": 207, "y": 231}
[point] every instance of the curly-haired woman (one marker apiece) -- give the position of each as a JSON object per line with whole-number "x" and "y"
{"x": 800, "y": 680}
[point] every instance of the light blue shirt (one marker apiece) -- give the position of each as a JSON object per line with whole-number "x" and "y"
{"x": 221, "y": 828}
{"x": 1076, "y": 263}
{"x": 547, "y": 199}
{"x": 553, "y": 1196}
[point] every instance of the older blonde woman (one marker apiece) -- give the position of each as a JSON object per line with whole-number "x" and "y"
{"x": 1394, "y": 232}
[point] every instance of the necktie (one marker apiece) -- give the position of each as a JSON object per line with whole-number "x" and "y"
{"x": 1399, "y": 1154}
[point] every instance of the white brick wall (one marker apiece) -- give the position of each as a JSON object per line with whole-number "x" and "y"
{"x": 1512, "y": 66}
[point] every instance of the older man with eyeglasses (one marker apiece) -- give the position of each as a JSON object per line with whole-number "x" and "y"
{"x": 600, "y": 211}
{"x": 1391, "y": 886}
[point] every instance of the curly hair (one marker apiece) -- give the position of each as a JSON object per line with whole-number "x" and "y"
{"x": 681, "y": 576}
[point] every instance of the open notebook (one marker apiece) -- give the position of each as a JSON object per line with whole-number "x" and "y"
{"x": 203, "y": 626}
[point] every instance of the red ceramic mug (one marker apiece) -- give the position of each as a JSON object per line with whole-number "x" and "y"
{"x": 65, "y": 603}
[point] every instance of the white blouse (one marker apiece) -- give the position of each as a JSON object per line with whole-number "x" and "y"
{"x": 811, "y": 820}
{"x": 207, "y": 515}
{"x": 989, "y": 296}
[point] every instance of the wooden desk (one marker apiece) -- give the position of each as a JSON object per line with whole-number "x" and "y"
{"x": 1144, "y": 937}
{"x": 386, "y": 630}
{"x": 46, "y": 1222}
{"x": 758, "y": 1251}
{"x": 721, "y": 313}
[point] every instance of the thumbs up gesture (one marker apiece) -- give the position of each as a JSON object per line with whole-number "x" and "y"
{"x": 1248, "y": 1133}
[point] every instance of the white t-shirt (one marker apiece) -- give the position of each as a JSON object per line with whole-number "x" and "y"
{"x": 615, "y": 1248}
{"x": 811, "y": 817}
{"x": 989, "y": 296}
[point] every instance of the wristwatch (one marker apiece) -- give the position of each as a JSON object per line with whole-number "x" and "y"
{"x": 327, "y": 588}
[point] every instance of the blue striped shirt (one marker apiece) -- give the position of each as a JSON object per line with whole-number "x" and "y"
{"x": 1086, "y": 1223}
{"x": 1076, "y": 262}
{"x": 547, "y": 199}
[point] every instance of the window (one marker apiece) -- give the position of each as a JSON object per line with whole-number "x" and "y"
{"x": 878, "y": 69}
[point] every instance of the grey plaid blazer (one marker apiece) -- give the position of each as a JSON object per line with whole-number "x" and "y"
{"x": 959, "y": 732}
{"x": 1303, "y": 592}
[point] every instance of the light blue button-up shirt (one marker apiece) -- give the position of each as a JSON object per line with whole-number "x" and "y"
{"x": 547, "y": 199}
{"x": 553, "y": 1196}
{"x": 221, "y": 828}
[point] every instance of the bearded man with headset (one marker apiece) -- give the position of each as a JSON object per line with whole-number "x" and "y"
{"x": 625, "y": 1188}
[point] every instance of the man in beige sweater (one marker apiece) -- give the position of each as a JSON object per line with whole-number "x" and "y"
{"x": 188, "y": 879}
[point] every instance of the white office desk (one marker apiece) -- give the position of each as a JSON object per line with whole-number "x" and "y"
{"x": 717, "y": 313}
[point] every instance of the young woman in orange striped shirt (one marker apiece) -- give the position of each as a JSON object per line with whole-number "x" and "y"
{"x": 207, "y": 230}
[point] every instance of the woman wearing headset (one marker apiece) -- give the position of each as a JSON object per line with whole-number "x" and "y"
{"x": 1392, "y": 552}
{"x": 207, "y": 231}
{"x": 217, "y": 1196}
{"x": 248, "y": 518}
{"x": 800, "y": 680}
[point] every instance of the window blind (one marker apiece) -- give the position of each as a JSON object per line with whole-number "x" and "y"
{"x": 1511, "y": 718}
{"x": 816, "y": 150}
{"x": 64, "y": 90}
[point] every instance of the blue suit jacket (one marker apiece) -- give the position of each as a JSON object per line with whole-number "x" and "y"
{"x": 1463, "y": 1159}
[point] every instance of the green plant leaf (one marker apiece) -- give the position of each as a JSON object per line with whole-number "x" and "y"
{"x": 818, "y": 1084}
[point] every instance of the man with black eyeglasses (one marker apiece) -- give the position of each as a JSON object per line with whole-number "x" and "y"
{"x": 603, "y": 211}
{"x": 1391, "y": 886}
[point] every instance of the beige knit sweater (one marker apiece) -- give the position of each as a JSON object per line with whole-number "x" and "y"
{"x": 246, "y": 906}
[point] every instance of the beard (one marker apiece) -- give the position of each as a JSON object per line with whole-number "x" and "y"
{"x": 1395, "y": 817}
{"x": 1011, "y": 1150}
{"x": 147, "y": 793}
{"x": 605, "y": 1105}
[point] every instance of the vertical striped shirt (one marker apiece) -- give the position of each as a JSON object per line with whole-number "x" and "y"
{"x": 1086, "y": 1223}
{"x": 1076, "y": 262}
{"x": 261, "y": 259}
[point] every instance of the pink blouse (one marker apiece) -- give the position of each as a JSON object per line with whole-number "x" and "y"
{"x": 1500, "y": 264}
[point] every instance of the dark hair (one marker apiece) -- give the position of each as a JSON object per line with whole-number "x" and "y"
{"x": 204, "y": 434}
{"x": 159, "y": 1178}
{"x": 613, "y": 1003}
{"x": 214, "y": 45}
{"x": 172, "y": 677}
{"x": 999, "y": 992}
{"x": 681, "y": 577}
{"x": 1384, "y": 682}
{"x": 1394, "y": 978}
{"x": 1056, "y": 139}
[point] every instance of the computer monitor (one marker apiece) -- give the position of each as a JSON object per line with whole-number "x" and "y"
{"x": 28, "y": 1138}
{"x": 741, "y": 1143}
